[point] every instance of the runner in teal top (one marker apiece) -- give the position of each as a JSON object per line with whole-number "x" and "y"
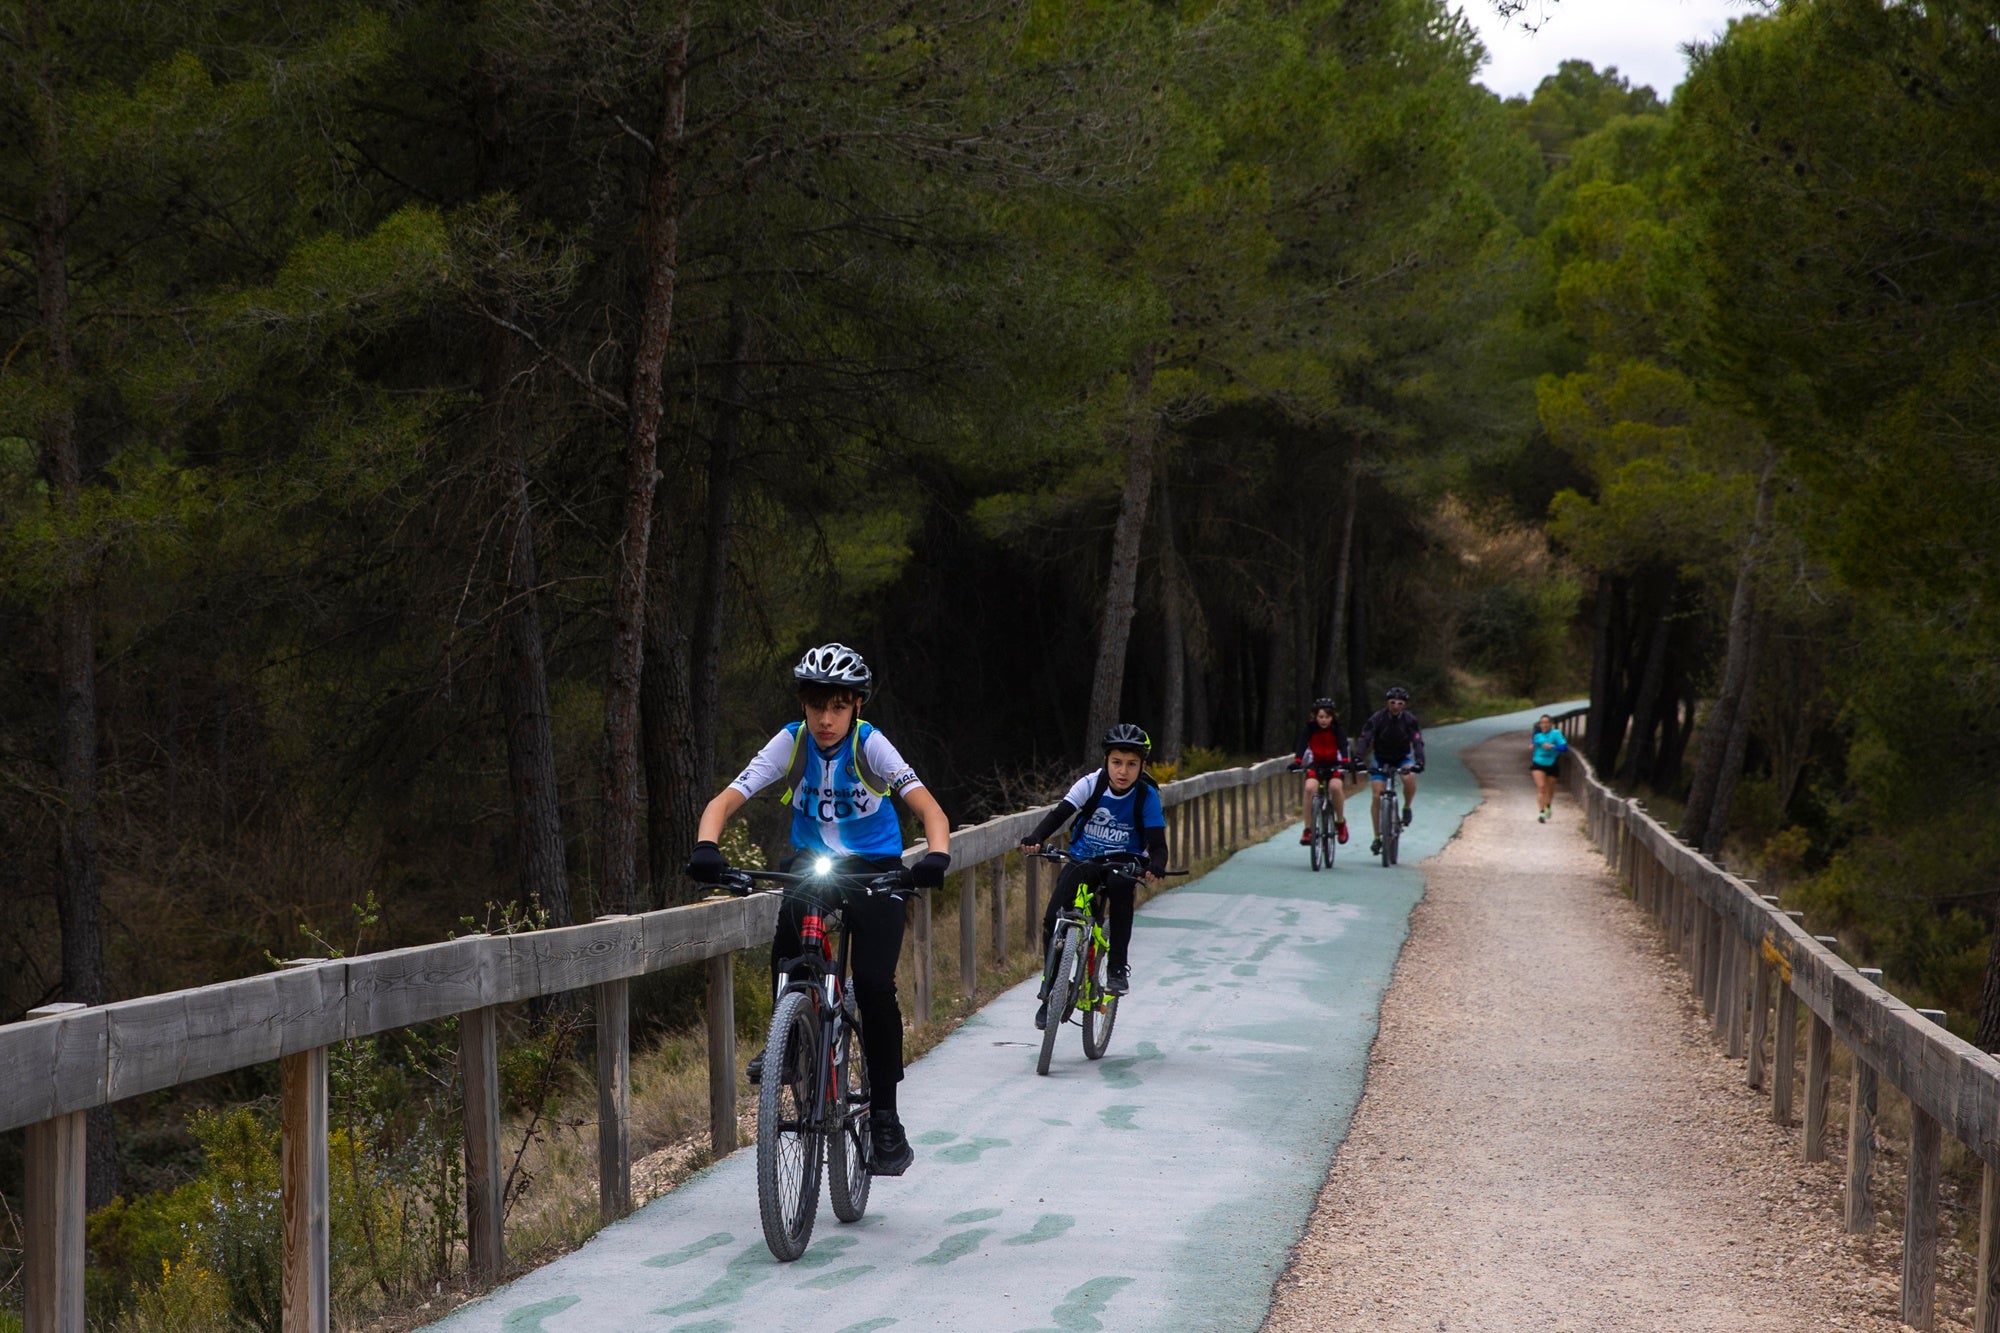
{"x": 1547, "y": 748}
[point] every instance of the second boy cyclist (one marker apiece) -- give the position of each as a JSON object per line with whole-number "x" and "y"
{"x": 1117, "y": 809}
{"x": 838, "y": 774}
{"x": 1397, "y": 743}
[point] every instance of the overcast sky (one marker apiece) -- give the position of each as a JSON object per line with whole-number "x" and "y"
{"x": 1643, "y": 38}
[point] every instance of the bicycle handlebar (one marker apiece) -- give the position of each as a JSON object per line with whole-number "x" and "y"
{"x": 744, "y": 882}
{"x": 1133, "y": 865}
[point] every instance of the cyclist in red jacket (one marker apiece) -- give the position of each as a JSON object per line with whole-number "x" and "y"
{"x": 1321, "y": 751}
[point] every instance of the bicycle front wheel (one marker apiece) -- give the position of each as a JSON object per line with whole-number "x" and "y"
{"x": 790, "y": 1125}
{"x": 1062, "y": 962}
{"x": 1317, "y": 844}
{"x": 847, "y": 1143}
{"x": 1100, "y": 1012}
{"x": 1390, "y": 825}
{"x": 1328, "y": 838}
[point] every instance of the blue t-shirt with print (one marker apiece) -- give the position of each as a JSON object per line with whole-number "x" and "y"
{"x": 1549, "y": 744}
{"x": 1118, "y": 823}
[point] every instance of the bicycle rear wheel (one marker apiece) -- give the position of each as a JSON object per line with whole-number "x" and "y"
{"x": 1102, "y": 1012}
{"x": 790, "y": 1124}
{"x": 847, "y": 1143}
{"x": 1062, "y": 962}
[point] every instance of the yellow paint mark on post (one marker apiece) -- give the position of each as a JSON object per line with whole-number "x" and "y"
{"x": 1778, "y": 958}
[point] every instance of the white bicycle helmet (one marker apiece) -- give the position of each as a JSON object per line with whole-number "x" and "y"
{"x": 835, "y": 664}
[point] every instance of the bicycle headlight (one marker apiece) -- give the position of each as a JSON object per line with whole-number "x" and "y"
{"x": 823, "y": 866}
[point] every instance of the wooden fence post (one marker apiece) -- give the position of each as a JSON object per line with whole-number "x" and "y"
{"x": 1819, "y": 1074}
{"x": 302, "y": 1116}
{"x": 1760, "y": 1015}
{"x": 1031, "y": 918}
{"x": 997, "y": 882}
{"x": 968, "y": 930}
{"x": 1863, "y": 1094}
{"x": 1784, "y": 1054}
{"x": 52, "y": 1227}
{"x": 614, "y": 1099}
{"x": 1735, "y": 982}
{"x": 722, "y": 1054}
{"x": 1986, "y": 1301}
{"x": 479, "y": 1073}
{"x": 1920, "y": 1222}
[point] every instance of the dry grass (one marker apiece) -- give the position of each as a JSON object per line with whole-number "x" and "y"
{"x": 557, "y": 1212}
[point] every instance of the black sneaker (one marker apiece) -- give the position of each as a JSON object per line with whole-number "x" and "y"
{"x": 1120, "y": 980}
{"x": 1375, "y": 847}
{"x": 1042, "y": 1016}
{"x": 893, "y": 1153}
{"x": 755, "y": 1071}
{"x": 1408, "y": 815}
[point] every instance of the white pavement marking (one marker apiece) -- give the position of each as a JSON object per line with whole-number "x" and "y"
{"x": 1160, "y": 1187}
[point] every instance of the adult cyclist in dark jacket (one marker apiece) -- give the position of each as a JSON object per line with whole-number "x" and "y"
{"x": 1393, "y": 743}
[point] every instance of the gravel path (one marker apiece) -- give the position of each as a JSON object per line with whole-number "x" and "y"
{"x": 1548, "y": 1139}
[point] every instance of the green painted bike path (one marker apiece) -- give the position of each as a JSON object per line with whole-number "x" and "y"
{"x": 1161, "y": 1187}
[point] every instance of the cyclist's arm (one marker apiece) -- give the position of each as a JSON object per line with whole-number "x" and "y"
{"x": 1303, "y": 748}
{"x": 1053, "y": 820}
{"x": 937, "y": 828}
{"x": 767, "y": 766}
{"x": 1153, "y": 829}
{"x": 1416, "y": 742}
{"x": 1366, "y": 740}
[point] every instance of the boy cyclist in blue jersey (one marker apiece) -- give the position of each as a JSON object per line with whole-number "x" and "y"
{"x": 1117, "y": 809}
{"x": 838, "y": 773}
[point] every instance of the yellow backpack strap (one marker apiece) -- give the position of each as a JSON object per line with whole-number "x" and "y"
{"x": 866, "y": 775}
{"x": 796, "y": 768}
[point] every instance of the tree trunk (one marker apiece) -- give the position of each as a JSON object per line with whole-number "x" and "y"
{"x": 1600, "y": 669}
{"x": 1173, "y": 727}
{"x": 1732, "y": 754}
{"x": 1357, "y": 652}
{"x": 628, "y": 604}
{"x": 674, "y": 783}
{"x": 524, "y": 687}
{"x": 1336, "y": 633}
{"x": 524, "y": 674}
{"x": 1107, "y": 682}
{"x": 1271, "y": 737}
{"x": 1719, "y": 722}
{"x": 80, "y": 896}
{"x": 1652, "y": 681}
{"x": 1201, "y": 725}
{"x": 1987, "y": 1037}
{"x": 706, "y": 652}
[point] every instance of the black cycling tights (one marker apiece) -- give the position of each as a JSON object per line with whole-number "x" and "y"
{"x": 877, "y": 926}
{"x": 1120, "y": 896}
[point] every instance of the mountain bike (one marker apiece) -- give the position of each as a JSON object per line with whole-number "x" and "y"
{"x": 1389, "y": 810}
{"x": 1079, "y": 957}
{"x": 1323, "y": 824}
{"x": 812, "y": 1106}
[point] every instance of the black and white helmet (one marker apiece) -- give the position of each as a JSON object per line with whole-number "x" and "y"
{"x": 1126, "y": 736}
{"x": 835, "y": 664}
{"x": 1327, "y": 704}
{"x": 1398, "y": 692}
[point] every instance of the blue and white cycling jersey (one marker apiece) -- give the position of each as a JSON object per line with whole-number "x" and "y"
{"x": 835, "y": 809}
{"x": 1118, "y": 824}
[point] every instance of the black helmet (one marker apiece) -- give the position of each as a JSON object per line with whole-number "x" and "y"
{"x": 838, "y": 665}
{"x": 1398, "y": 692}
{"x": 1328, "y": 704}
{"x": 1125, "y": 736}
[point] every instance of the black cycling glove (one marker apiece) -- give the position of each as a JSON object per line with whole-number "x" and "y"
{"x": 928, "y": 872}
{"x": 706, "y": 865}
{"x": 1156, "y": 867}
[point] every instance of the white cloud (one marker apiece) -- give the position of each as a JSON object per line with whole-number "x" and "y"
{"x": 1643, "y": 38}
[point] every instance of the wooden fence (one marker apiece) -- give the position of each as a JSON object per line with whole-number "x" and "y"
{"x": 64, "y": 1059}
{"x": 1745, "y": 956}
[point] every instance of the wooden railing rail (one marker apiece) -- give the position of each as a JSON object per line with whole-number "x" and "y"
{"x": 1744, "y": 954}
{"x": 64, "y": 1059}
